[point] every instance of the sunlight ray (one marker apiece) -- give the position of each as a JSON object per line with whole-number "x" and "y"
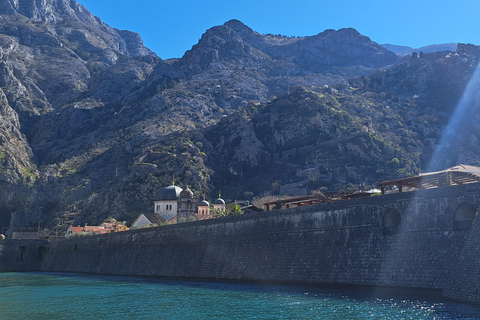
{"x": 459, "y": 127}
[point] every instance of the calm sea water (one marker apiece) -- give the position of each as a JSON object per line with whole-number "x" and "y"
{"x": 60, "y": 296}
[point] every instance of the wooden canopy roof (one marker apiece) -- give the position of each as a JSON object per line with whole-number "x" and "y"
{"x": 460, "y": 174}
{"x": 314, "y": 199}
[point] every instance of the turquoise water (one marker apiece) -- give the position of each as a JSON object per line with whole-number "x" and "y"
{"x": 60, "y": 296}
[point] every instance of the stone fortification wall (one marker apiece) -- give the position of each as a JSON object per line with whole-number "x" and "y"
{"x": 347, "y": 242}
{"x": 22, "y": 255}
{"x": 464, "y": 282}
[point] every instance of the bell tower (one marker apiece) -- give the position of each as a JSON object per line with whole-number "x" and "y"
{"x": 187, "y": 205}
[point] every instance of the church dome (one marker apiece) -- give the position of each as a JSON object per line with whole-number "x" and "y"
{"x": 186, "y": 193}
{"x": 171, "y": 193}
{"x": 219, "y": 201}
{"x": 204, "y": 203}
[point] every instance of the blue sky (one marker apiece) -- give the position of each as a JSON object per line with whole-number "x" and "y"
{"x": 172, "y": 27}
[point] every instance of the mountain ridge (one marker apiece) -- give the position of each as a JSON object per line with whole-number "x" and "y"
{"x": 371, "y": 53}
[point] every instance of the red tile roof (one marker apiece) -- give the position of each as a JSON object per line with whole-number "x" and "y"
{"x": 96, "y": 229}
{"x": 76, "y": 229}
{"x": 109, "y": 225}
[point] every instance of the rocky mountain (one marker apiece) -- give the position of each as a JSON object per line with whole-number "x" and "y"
{"x": 299, "y": 56}
{"x": 93, "y": 123}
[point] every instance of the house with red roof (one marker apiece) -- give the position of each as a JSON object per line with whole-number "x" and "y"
{"x": 92, "y": 230}
{"x": 96, "y": 230}
{"x": 73, "y": 231}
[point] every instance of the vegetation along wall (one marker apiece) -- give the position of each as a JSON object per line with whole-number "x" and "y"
{"x": 423, "y": 239}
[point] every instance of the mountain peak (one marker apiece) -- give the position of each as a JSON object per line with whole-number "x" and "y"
{"x": 351, "y": 31}
{"x": 243, "y": 31}
{"x": 234, "y": 22}
{"x": 238, "y": 26}
{"x": 348, "y": 34}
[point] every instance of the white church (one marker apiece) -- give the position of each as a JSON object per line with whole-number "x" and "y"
{"x": 174, "y": 204}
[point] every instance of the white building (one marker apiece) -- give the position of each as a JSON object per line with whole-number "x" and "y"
{"x": 166, "y": 204}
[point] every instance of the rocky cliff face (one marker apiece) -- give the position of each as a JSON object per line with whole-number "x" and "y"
{"x": 70, "y": 21}
{"x": 50, "y": 53}
{"x": 93, "y": 123}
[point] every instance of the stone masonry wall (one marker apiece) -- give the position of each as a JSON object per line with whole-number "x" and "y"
{"x": 464, "y": 282}
{"x": 22, "y": 255}
{"x": 341, "y": 242}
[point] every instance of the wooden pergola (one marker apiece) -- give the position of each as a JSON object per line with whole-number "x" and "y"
{"x": 457, "y": 175}
{"x": 292, "y": 202}
{"x": 313, "y": 199}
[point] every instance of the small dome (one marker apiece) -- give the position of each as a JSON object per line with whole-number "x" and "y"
{"x": 169, "y": 193}
{"x": 2, "y": 237}
{"x": 219, "y": 201}
{"x": 204, "y": 203}
{"x": 186, "y": 193}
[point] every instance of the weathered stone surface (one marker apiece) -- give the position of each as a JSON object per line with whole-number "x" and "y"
{"x": 463, "y": 283}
